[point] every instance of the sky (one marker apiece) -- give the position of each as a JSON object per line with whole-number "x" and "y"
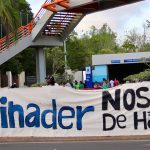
{"x": 120, "y": 20}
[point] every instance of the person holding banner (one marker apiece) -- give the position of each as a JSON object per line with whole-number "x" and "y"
{"x": 105, "y": 84}
{"x": 97, "y": 85}
{"x": 76, "y": 84}
{"x": 81, "y": 85}
{"x": 116, "y": 82}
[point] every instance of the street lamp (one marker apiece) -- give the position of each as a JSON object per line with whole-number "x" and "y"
{"x": 21, "y": 17}
{"x": 22, "y": 14}
{"x": 28, "y": 13}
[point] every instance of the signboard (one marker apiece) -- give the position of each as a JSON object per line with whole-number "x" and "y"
{"x": 89, "y": 82}
{"x": 137, "y": 60}
{"x": 131, "y": 60}
{"x": 115, "y": 61}
{"x": 65, "y": 112}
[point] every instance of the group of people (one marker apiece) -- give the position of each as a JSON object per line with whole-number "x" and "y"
{"x": 75, "y": 84}
{"x": 105, "y": 84}
{"x": 114, "y": 83}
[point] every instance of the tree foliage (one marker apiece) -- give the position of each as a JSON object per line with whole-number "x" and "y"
{"x": 137, "y": 41}
{"x": 76, "y": 53}
{"x": 142, "y": 76}
{"x": 129, "y": 46}
{"x": 10, "y": 19}
{"x": 79, "y": 51}
{"x": 146, "y": 47}
{"x": 106, "y": 51}
{"x": 10, "y": 13}
{"x": 103, "y": 38}
{"x": 55, "y": 60}
{"x": 24, "y": 61}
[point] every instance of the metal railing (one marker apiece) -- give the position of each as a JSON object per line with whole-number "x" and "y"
{"x": 24, "y": 31}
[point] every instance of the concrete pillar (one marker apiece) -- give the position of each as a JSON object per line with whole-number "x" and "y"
{"x": 9, "y": 75}
{"x": 21, "y": 78}
{"x": 40, "y": 65}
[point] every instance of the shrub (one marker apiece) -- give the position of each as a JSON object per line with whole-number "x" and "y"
{"x": 38, "y": 84}
{"x": 142, "y": 76}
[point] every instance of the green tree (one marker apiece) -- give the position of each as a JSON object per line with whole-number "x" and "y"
{"x": 25, "y": 61}
{"x": 138, "y": 39}
{"x": 104, "y": 38}
{"x": 10, "y": 18}
{"x": 146, "y": 47}
{"x": 77, "y": 52}
{"x": 55, "y": 60}
{"x": 10, "y": 14}
{"x": 106, "y": 51}
{"x": 28, "y": 61}
{"x": 129, "y": 47}
{"x": 81, "y": 48}
{"x": 13, "y": 65}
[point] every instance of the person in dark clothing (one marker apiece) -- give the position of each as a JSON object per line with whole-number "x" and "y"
{"x": 52, "y": 80}
{"x": 14, "y": 85}
{"x": 47, "y": 78}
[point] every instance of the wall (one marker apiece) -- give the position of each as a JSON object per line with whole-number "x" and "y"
{"x": 99, "y": 73}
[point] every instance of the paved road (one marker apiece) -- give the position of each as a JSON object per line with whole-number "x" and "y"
{"x": 103, "y": 145}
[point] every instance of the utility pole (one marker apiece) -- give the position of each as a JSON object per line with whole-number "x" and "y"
{"x": 65, "y": 55}
{"x": 27, "y": 18}
{"x": 28, "y": 13}
{"x": 21, "y": 17}
{"x": 1, "y": 29}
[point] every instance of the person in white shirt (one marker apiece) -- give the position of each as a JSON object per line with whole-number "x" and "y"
{"x": 111, "y": 83}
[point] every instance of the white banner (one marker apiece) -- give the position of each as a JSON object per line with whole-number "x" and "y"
{"x": 64, "y": 112}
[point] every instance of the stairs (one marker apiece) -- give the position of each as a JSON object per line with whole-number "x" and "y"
{"x": 56, "y": 25}
{"x": 14, "y": 49}
{"x": 12, "y": 45}
{"x": 61, "y": 24}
